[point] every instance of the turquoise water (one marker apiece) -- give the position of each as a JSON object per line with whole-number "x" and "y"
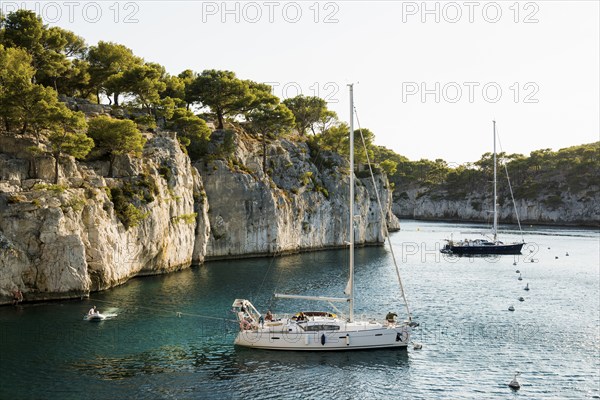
{"x": 172, "y": 337}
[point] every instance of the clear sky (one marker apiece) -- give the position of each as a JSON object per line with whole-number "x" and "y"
{"x": 430, "y": 76}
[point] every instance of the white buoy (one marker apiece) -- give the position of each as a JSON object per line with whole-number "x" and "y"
{"x": 514, "y": 384}
{"x": 417, "y": 346}
{"x": 511, "y": 308}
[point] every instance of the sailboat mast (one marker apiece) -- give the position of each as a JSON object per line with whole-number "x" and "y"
{"x": 495, "y": 229}
{"x": 351, "y": 227}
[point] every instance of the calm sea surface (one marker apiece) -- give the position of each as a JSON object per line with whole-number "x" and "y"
{"x": 172, "y": 337}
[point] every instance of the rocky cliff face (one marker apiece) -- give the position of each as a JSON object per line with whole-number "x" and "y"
{"x": 159, "y": 214}
{"x": 301, "y": 203}
{"x": 568, "y": 209}
{"x": 67, "y": 240}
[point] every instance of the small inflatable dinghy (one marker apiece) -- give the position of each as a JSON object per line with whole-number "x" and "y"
{"x": 95, "y": 317}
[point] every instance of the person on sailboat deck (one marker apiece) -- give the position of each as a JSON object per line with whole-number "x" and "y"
{"x": 391, "y": 317}
{"x": 92, "y": 311}
{"x": 301, "y": 317}
{"x": 269, "y": 316}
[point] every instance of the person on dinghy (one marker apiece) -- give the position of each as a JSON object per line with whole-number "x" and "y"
{"x": 92, "y": 311}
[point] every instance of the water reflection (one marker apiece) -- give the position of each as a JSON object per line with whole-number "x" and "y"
{"x": 224, "y": 363}
{"x": 165, "y": 359}
{"x": 375, "y": 360}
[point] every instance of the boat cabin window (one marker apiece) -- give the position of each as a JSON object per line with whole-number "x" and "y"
{"x": 319, "y": 314}
{"x": 313, "y": 328}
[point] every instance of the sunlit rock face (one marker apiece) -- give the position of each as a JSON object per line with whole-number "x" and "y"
{"x": 299, "y": 203}
{"x": 62, "y": 241}
{"x": 581, "y": 209}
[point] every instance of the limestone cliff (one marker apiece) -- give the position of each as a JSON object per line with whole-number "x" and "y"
{"x": 158, "y": 213}
{"x": 300, "y": 203}
{"x": 61, "y": 241}
{"x": 581, "y": 209}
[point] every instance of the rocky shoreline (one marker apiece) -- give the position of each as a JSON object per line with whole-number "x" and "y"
{"x": 68, "y": 240}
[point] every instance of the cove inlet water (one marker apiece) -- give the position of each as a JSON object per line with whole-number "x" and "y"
{"x": 171, "y": 336}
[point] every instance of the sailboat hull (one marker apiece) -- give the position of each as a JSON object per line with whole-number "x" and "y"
{"x": 486, "y": 249}
{"x": 383, "y": 337}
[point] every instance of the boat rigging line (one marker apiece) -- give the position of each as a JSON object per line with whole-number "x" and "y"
{"x": 511, "y": 190}
{"x": 177, "y": 313}
{"x": 383, "y": 217}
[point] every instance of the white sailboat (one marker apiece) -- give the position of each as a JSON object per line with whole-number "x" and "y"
{"x": 323, "y": 330}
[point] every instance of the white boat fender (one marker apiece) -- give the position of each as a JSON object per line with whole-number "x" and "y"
{"x": 323, "y": 339}
{"x": 347, "y": 339}
{"x": 307, "y": 339}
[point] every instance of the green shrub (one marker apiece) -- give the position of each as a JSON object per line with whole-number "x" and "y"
{"x": 128, "y": 214}
{"x": 321, "y": 189}
{"x": 187, "y": 218}
{"x": 76, "y": 204}
{"x": 53, "y": 188}
{"x": 306, "y": 178}
{"x": 165, "y": 172}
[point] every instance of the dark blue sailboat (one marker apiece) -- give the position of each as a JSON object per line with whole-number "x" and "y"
{"x": 484, "y": 246}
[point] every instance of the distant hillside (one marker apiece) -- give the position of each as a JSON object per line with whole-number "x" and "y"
{"x": 549, "y": 186}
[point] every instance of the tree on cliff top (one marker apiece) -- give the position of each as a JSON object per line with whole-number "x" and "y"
{"x": 308, "y": 112}
{"x": 192, "y": 132}
{"x": 16, "y": 74}
{"x": 108, "y": 62}
{"x": 334, "y": 138}
{"x": 116, "y": 137}
{"x": 51, "y": 49}
{"x": 145, "y": 82}
{"x": 270, "y": 119}
{"x": 66, "y": 135}
{"x": 223, "y": 92}
{"x": 24, "y": 29}
{"x": 188, "y": 77}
